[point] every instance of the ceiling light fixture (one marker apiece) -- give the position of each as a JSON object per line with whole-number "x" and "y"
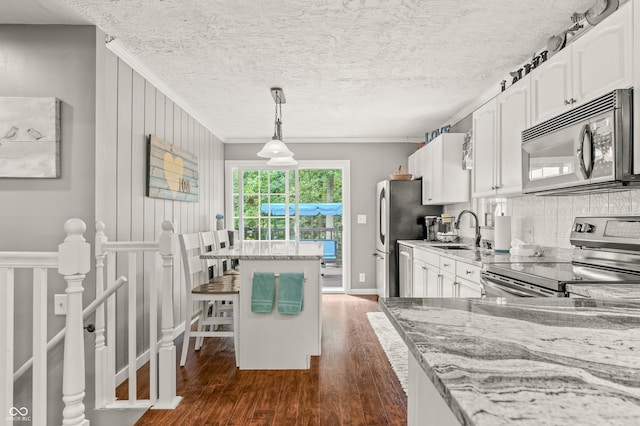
{"x": 282, "y": 161}
{"x": 275, "y": 148}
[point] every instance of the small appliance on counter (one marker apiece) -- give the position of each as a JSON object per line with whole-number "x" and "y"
{"x": 607, "y": 252}
{"x": 447, "y": 233}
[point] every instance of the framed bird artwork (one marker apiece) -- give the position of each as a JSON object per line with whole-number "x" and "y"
{"x": 29, "y": 137}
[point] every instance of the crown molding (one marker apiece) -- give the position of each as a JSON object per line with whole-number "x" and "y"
{"x": 406, "y": 139}
{"x": 121, "y": 52}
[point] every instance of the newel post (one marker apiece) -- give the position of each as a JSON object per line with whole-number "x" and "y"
{"x": 74, "y": 262}
{"x": 167, "y": 398}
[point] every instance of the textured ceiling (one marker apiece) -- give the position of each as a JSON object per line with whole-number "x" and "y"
{"x": 349, "y": 68}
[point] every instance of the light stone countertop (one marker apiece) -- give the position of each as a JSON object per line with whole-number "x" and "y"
{"x": 603, "y": 291}
{"x": 528, "y": 361}
{"x": 270, "y": 250}
{"x": 474, "y": 255}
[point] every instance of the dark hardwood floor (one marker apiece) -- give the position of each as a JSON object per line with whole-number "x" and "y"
{"x": 351, "y": 383}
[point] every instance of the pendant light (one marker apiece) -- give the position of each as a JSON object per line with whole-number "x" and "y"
{"x": 275, "y": 148}
{"x": 282, "y": 161}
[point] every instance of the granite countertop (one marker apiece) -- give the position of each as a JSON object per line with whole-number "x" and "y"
{"x": 474, "y": 255}
{"x": 528, "y": 361}
{"x": 270, "y": 250}
{"x": 600, "y": 291}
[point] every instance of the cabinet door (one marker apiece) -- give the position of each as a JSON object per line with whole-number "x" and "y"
{"x": 448, "y": 286}
{"x": 484, "y": 136}
{"x": 454, "y": 180}
{"x": 468, "y": 288}
{"x": 427, "y": 174}
{"x": 405, "y": 271}
{"x": 603, "y": 57}
{"x": 512, "y": 118}
{"x": 419, "y": 279}
{"x": 412, "y": 163}
{"x": 433, "y": 282}
{"x": 551, "y": 87}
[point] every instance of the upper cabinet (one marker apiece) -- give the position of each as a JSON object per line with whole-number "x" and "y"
{"x": 444, "y": 181}
{"x": 497, "y": 135}
{"x": 598, "y": 62}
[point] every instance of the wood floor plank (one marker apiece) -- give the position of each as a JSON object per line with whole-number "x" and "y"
{"x": 351, "y": 383}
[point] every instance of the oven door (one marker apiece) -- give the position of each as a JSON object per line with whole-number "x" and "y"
{"x": 497, "y": 286}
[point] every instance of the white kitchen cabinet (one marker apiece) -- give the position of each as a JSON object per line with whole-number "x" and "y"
{"x": 497, "y": 130}
{"x": 443, "y": 179}
{"x": 419, "y": 278}
{"x": 416, "y": 163}
{"x": 448, "y": 285}
{"x": 596, "y": 63}
{"x": 426, "y": 274}
{"x": 405, "y": 270}
{"x": 484, "y": 140}
{"x": 551, "y": 87}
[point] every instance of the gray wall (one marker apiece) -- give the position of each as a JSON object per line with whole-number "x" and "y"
{"x": 107, "y": 111}
{"x": 370, "y": 163}
{"x": 133, "y": 109}
{"x": 43, "y": 61}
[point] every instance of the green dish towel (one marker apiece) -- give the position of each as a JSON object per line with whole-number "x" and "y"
{"x": 290, "y": 293}
{"x": 263, "y": 292}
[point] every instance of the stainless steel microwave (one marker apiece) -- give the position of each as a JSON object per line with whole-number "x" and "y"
{"x": 587, "y": 148}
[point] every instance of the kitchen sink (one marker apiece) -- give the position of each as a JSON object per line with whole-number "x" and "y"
{"x": 450, "y": 246}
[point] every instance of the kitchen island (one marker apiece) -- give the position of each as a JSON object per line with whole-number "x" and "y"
{"x": 274, "y": 341}
{"x": 527, "y": 361}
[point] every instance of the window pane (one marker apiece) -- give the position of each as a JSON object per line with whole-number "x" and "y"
{"x": 251, "y": 229}
{"x": 235, "y": 181}
{"x": 277, "y": 181}
{"x": 277, "y": 199}
{"x": 250, "y": 181}
{"x": 251, "y": 205}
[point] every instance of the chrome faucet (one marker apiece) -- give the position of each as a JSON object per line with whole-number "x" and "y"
{"x": 456, "y": 224}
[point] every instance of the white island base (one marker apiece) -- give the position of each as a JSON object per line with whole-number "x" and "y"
{"x": 277, "y": 341}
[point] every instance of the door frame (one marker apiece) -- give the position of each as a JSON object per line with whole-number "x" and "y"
{"x": 344, "y": 165}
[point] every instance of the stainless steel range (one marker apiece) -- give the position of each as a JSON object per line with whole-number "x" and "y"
{"x": 607, "y": 250}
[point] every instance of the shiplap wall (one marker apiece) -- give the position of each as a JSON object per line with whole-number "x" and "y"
{"x": 133, "y": 109}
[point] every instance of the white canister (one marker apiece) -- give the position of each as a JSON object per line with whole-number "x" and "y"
{"x": 502, "y": 234}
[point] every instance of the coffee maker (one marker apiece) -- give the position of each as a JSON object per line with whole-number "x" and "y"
{"x": 431, "y": 227}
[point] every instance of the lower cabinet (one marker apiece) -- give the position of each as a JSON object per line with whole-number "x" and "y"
{"x": 441, "y": 276}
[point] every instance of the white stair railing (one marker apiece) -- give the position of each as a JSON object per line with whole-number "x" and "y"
{"x": 72, "y": 261}
{"x": 162, "y": 385}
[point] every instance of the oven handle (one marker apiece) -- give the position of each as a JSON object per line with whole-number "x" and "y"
{"x": 509, "y": 290}
{"x": 584, "y": 133}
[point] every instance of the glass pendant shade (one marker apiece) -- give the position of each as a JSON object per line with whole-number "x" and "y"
{"x": 275, "y": 148}
{"x": 282, "y": 161}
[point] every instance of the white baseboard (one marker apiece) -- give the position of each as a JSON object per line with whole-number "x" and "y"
{"x": 364, "y": 291}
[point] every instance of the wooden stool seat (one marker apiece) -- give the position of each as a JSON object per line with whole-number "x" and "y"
{"x": 218, "y": 286}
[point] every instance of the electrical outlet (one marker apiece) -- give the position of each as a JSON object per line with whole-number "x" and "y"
{"x": 60, "y": 304}
{"x": 362, "y": 218}
{"x": 361, "y": 277}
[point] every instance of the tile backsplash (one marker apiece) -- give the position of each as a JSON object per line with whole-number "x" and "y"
{"x": 547, "y": 221}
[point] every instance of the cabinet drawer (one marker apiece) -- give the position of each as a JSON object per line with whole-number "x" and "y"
{"x": 427, "y": 257}
{"x": 447, "y": 265}
{"x": 468, "y": 272}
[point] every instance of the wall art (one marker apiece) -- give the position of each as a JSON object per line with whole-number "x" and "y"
{"x": 172, "y": 173}
{"x": 29, "y": 137}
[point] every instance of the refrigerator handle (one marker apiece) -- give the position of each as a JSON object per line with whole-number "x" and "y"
{"x": 383, "y": 215}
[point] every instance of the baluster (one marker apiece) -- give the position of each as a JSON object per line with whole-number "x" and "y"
{"x": 101, "y": 356}
{"x": 74, "y": 263}
{"x": 167, "y": 353}
{"x": 39, "y": 373}
{"x": 6, "y": 339}
{"x": 132, "y": 325}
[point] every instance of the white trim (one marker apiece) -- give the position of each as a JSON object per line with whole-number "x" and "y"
{"x": 364, "y": 291}
{"x": 121, "y": 52}
{"x": 391, "y": 139}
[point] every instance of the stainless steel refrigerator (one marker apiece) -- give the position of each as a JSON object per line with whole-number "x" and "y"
{"x": 399, "y": 216}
